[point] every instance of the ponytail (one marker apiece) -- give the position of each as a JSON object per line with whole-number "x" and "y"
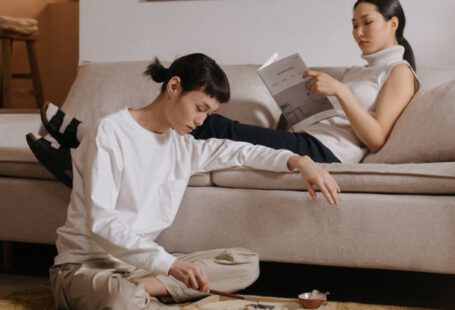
{"x": 157, "y": 71}
{"x": 408, "y": 52}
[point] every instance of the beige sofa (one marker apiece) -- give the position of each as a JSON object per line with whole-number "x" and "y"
{"x": 392, "y": 216}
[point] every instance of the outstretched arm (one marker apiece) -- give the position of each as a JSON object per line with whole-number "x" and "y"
{"x": 215, "y": 154}
{"x": 396, "y": 93}
{"x": 313, "y": 176}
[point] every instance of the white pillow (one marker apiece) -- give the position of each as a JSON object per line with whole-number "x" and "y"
{"x": 425, "y": 132}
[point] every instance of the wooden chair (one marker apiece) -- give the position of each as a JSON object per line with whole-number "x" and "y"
{"x": 8, "y": 38}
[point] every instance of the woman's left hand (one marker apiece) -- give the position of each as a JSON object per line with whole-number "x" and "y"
{"x": 322, "y": 84}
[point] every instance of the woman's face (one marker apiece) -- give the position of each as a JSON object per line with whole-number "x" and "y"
{"x": 370, "y": 29}
{"x": 190, "y": 110}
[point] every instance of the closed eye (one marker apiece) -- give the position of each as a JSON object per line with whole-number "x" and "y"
{"x": 204, "y": 107}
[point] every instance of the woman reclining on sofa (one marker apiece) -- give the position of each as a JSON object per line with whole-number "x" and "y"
{"x": 369, "y": 100}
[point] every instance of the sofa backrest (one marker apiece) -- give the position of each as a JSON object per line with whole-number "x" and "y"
{"x": 102, "y": 88}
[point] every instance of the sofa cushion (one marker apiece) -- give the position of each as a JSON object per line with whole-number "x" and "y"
{"x": 425, "y": 130}
{"x": 13, "y": 128}
{"x": 34, "y": 170}
{"x": 16, "y": 159}
{"x": 30, "y": 170}
{"x": 103, "y": 88}
{"x": 434, "y": 178}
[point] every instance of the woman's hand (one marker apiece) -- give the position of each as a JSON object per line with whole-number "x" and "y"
{"x": 323, "y": 84}
{"x": 314, "y": 177}
{"x": 192, "y": 275}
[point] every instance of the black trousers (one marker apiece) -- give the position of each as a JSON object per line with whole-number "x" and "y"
{"x": 217, "y": 126}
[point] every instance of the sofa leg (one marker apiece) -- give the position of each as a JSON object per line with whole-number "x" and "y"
{"x": 7, "y": 257}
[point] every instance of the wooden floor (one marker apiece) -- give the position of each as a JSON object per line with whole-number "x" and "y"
{"x": 12, "y": 283}
{"x": 27, "y": 268}
{"x": 31, "y": 263}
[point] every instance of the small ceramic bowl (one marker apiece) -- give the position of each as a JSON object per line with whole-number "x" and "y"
{"x": 312, "y": 300}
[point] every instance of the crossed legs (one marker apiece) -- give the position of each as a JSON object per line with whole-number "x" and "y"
{"x": 102, "y": 283}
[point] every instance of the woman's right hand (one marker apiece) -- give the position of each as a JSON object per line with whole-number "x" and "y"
{"x": 315, "y": 177}
{"x": 192, "y": 275}
{"x": 323, "y": 84}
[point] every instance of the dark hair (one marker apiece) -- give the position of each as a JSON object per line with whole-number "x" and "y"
{"x": 196, "y": 72}
{"x": 389, "y": 9}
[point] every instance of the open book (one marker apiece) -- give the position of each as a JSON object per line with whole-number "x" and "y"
{"x": 284, "y": 79}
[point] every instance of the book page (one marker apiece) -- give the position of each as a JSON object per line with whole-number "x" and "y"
{"x": 284, "y": 79}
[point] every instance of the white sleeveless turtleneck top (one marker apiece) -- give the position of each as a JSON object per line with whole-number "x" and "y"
{"x": 365, "y": 83}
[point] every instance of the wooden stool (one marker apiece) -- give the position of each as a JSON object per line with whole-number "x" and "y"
{"x": 8, "y": 39}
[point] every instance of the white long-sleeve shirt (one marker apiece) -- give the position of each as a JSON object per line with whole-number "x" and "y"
{"x": 128, "y": 184}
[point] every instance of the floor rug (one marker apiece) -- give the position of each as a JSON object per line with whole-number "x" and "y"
{"x": 40, "y": 298}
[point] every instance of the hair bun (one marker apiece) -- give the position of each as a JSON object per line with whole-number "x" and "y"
{"x": 157, "y": 71}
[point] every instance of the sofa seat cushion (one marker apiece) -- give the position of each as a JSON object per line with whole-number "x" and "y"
{"x": 13, "y": 128}
{"x": 16, "y": 159}
{"x": 34, "y": 170}
{"x": 31, "y": 170}
{"x": 425, "y": 178}
{"x": 201, "y": 180}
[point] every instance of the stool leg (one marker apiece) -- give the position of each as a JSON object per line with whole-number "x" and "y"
{"x": 36, "y": 75}
{"x": 7, "y": 47}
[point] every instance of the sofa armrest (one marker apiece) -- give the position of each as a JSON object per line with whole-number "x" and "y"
{"x": 13, "y": 128}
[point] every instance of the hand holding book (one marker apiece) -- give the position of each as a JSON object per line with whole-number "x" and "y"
{"x": 285, "y": 80}
{"x": 322, "y": 84}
